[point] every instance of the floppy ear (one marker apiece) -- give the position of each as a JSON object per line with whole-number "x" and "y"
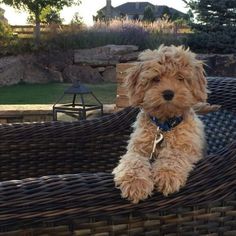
{"x": 134, "y": 85}
{"x": 199, "y": 84}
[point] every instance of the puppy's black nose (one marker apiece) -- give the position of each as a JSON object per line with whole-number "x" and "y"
{"x": 168, "y": 95}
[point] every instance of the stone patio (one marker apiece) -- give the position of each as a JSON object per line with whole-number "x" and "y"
{"x": 38, "y": 113}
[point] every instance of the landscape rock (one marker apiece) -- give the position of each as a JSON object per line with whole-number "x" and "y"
{"x": 103, "y": 56}
{"x": 225, "y": 65}
{"x": 109, "y": 75}
{"x": 56, "y": 60}
{"x": 133, "y": 56}
{"x": 11, "y": 70}
{"x": 219, "y": 65}
{"x": 14, "y": 70}
{"x": 120, "y": 49}
{"x": 36, "y": 73}
{"x": 86, "y": 74}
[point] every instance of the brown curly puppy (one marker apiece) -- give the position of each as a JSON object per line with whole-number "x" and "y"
{"x": 168, "y": 137}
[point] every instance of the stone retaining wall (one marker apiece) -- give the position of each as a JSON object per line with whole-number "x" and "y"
{"x": 88, "y": 65}
{"x": 93, "y": 65}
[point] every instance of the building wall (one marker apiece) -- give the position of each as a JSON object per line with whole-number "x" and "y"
{"x": 115, "y": 14}
{"x": 131, "y": 17}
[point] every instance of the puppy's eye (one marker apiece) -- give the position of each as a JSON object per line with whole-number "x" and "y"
{"x": 156, "y": 79}
{"x": 180, "y": 78}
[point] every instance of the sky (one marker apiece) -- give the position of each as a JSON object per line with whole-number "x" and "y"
{"x": 87, "y": 9}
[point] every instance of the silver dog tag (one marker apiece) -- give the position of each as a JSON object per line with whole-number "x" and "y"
{"x": 156, "y": 141}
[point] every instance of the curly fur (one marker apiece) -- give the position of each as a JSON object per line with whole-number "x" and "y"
{"x": 168, "y": 68}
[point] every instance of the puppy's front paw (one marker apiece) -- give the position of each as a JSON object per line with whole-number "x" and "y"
{"x": 133, "y": 177}
{"x": 135, "y": 189}
{"x": 168, "y": 181}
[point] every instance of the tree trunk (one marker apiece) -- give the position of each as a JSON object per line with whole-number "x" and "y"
{"x": 37, "y": 30}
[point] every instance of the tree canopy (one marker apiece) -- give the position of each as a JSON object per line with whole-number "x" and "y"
{"x": 76, "y": 19}
{"x": 39, "y": 5}
{"x": 100, "y": 16}
{"x": 48, "y": 15}
{"x": 212, "y": 13}
{"x": 214, "y": 25}
{"x": 148, "y": 14}
{"x": 36, "y": 7}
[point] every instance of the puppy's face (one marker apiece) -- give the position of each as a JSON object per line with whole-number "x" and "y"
{"x": 168, "y": 83}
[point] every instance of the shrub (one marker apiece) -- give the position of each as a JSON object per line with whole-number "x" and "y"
{"x": 80, "y": 40}
{"x": 5, "y": 31}
{"x": 213, "y": 42}
{"x": 156, "y": 39}
{"x": 144, "y": 35}
{"x": 131, "y": 34}
{"x": 6, "y": 36}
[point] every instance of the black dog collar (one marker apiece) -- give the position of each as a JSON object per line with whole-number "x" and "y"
{"x": 167, "y": 125}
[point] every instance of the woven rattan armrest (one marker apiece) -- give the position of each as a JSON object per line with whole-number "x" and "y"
{"x": 62, "y": 197}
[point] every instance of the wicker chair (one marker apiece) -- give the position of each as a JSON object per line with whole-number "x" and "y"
{"x": 56, "y": 178}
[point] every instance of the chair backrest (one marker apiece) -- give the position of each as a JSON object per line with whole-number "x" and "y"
{"x": 220, "y": 129}
{"x": 220, "y": 126}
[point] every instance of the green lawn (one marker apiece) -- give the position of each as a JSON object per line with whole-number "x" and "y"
{"x": 49, "y": 93}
